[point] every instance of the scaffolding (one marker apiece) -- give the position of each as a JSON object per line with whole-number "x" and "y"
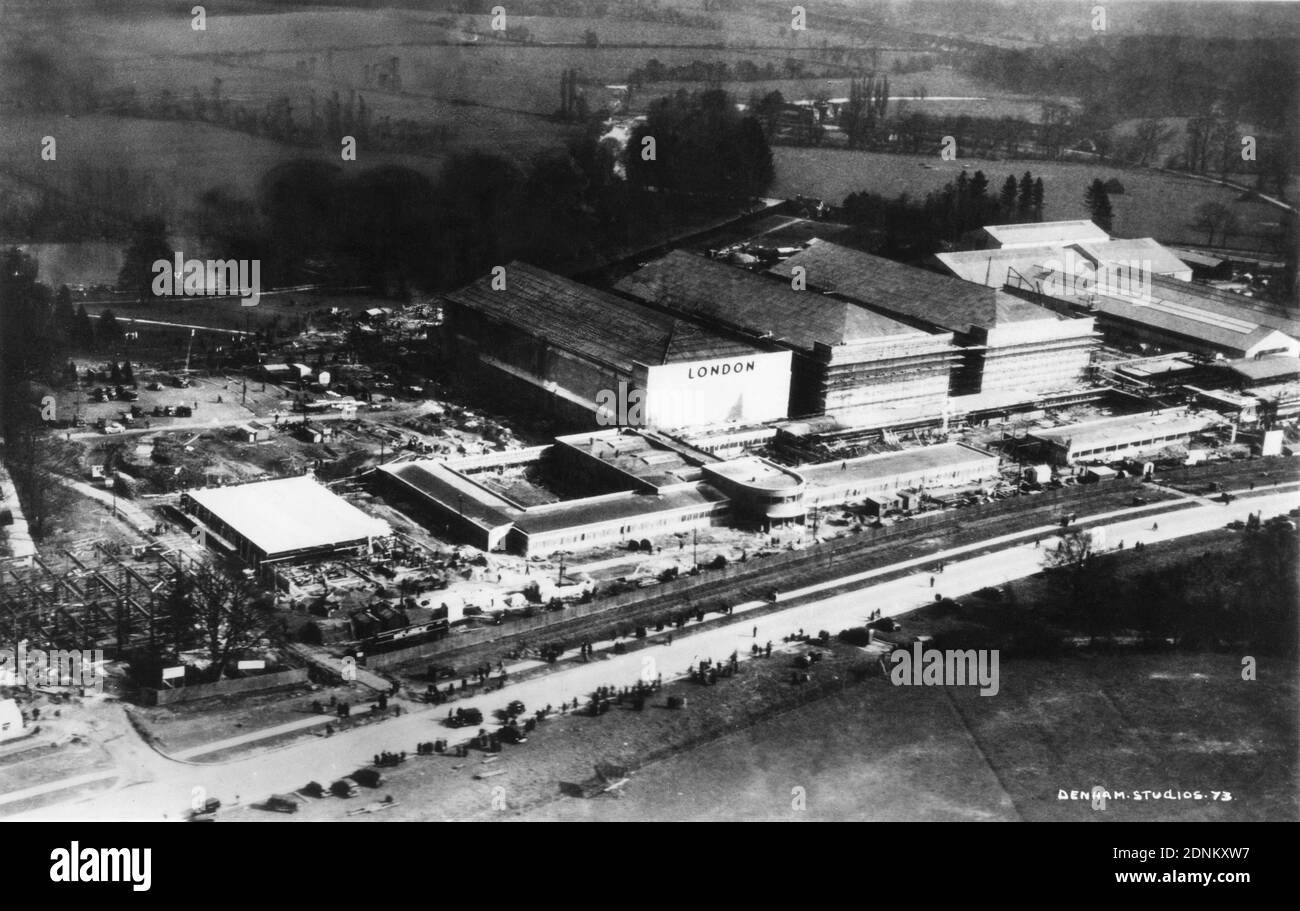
{"x": 99, "y": 600}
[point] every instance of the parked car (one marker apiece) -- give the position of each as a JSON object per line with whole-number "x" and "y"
{"x": 465, "y": 718}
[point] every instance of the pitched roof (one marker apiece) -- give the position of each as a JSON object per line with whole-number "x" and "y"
{"x": 754, "y": 304}
{"x": 592, "y": 323}
{"x": 1176, "y": 307}
{"x": 906, "y": 291}
{"x": 1264, "y": 369}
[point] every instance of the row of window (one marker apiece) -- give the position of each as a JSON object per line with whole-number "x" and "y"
{"x": 1120, "y": 447}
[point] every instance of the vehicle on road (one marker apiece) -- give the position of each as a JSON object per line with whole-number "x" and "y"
{"x": 465, "y": 718}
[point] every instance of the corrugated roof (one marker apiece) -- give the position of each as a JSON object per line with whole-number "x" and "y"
{"x": 755, "y": 304}
{"x": 289, "y": 514}
{"x": 592, "y": 323}
{"x": 917, "y": 294}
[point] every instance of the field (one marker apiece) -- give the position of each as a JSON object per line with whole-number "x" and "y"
{"x": 885, "y": 753}
{"x": 1153, "y": 204}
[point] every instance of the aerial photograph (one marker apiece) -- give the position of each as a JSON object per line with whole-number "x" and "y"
{"x": 649, "y": 410}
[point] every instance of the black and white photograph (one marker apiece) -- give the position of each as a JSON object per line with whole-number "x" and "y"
{"x": 649, "y": 411}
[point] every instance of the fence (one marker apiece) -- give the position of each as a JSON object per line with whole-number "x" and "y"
{"x": 200, "y": 691}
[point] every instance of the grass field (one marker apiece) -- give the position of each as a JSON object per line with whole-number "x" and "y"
{"x": 1153, "y": 204}
{"x": 885, "y": 753}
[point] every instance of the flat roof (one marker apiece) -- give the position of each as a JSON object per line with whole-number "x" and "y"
{"x": 1116, "y": 430}
{"x": 887, "y": 464}
{"x": 907, "y": 291}
{"x": 1159, "y": 365}
{"x": 1045, "y": 232}
{"x": 755, "y": 304}
{"x": 289, "y": 514}
{"x": 1264, "y": 369}
{"x": 635, "y": 454}
{"x": 997, "y": 267}
{"x": 577, "y": 513}
{"x": 757, "y": 472}
{"x": 593, "y": 323}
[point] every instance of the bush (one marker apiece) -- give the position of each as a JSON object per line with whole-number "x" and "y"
{"x": 858, "y": 635}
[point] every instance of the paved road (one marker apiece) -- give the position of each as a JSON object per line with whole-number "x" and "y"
{"x": 168, "y": 790}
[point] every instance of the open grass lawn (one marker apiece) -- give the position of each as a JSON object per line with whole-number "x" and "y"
{"x": 878, "y": 752}
{"x": 1153, "y": 204}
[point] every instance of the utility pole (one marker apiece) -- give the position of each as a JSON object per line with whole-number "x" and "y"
{"x": 695, "y": 547}
{"x": 559, "y": 580}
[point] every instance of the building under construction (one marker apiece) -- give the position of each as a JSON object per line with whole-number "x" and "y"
{"x": 1014, "y": 351}
{"x": 104, "y": 600}
{"x": 857, "y": 366}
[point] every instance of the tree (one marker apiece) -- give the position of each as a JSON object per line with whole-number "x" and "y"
{"x": 39, "y": 463}
{"x": 64, "y": 316}
{"x": 230, "y": 613}
{"x": 1036, "y": 198}
{"x": 83, "y": 330}
{"x": 109, "y": 331}
{"x": 1214, "y": 217}
{"x": 1149, "y": 138}
{"x": 1025, "y": 203}
{"x": 1098, "y": 202}
{"x": 148, "y": 245}
{"x": 1089, "y": 593}
{"x": 1007, "y": 198}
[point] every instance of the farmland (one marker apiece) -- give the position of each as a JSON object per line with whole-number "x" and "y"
{"x": 1153, "y": 204}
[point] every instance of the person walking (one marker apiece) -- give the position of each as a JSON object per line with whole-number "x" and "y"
{"x": 756, "y": 632}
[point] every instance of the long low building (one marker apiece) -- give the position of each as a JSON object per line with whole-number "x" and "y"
{"x": 638, "y": 485}
{"x": 1112, "y": 439}
{"x": 285, "y": 520}
{"x": 593, "y": 358}
{"x": 1010, "y": 346}
{"x": 1172, "y": 314}
{"x": 885, "y": 474}
{"x": 851, "y": 363}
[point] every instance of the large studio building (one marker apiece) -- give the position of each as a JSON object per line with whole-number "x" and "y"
{"x": 590, "y": 357}
{"x": 1013, "y": 350}
{"x": 857, "y": 366}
